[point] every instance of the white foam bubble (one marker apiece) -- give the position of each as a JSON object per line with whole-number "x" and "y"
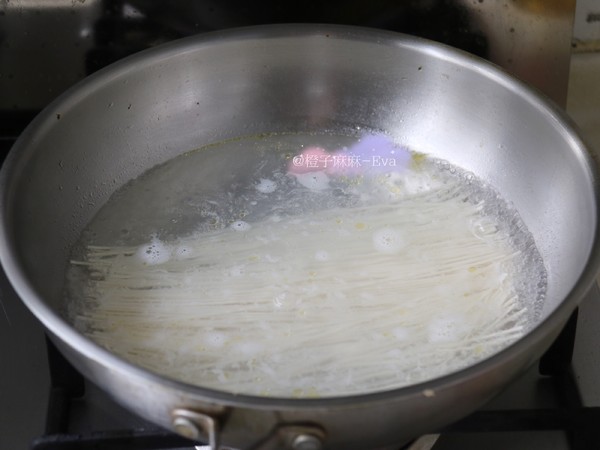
{"x": 482, "y": 227}
{"x": 240, "y": 225}
{"x": 215, "y": 339}
{"x": 447, "y": 328}
{"x": 419, "y": 182}
{"x": 266, "y": 186}
{"x": 388, "y": 240}
{"x": 315, "y": 181}
{"x": 153, "y": 253}
{"x": 279, "y": 300}
{"x": 183, "y": 252}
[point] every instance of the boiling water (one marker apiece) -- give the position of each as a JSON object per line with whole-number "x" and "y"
{"x": 303, "y": 266}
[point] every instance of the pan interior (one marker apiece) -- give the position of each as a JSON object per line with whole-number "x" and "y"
{"x": 165, "y": 103}
{"x": 306, "y": 265}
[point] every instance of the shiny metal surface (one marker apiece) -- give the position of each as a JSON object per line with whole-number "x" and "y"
{"x": 306, "y": 442}
{"x": 169, "y": 100}
{"x": 197, "y": 426}
{"x": 531, "y": 39}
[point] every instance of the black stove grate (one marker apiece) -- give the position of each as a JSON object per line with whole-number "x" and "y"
{"x": 67, "y": 385}
{"x": 114, "y": 440}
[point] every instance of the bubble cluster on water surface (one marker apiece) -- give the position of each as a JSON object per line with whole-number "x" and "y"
{"x": 240, "y": 225}
{"x": 315, "y": 181}
{"x": 388, "y": 240}
{"x": 447, "y": 328}
{"x": 153, "y": 253}
{"x": 266, "y": 186}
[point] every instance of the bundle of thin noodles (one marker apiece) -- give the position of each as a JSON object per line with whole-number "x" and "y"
{"x": 337, "y": 302}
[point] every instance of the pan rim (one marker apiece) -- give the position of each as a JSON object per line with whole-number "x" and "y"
{"x": 67, "y": 334}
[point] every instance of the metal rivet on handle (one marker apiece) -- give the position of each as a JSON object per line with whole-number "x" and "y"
{"x": 186, "y": 428}
{"x": 307, "y": 442}
{"x": 196, "y": 425}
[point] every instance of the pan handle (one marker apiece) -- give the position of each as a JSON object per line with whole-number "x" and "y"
{"x": 303, "y": 436}
{"x": 196, "y": 425}
{"x": 200, "y": 426}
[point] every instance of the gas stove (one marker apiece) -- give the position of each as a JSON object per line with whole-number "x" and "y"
{"x": 45, "y": 404}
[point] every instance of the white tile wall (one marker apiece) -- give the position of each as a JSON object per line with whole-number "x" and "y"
{"x": 587, "y": 20}
{"x": 583, "y": 101}
{"x": 583, "y": 105}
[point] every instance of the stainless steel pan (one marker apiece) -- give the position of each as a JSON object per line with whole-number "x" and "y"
{"x": 160, "y": 103}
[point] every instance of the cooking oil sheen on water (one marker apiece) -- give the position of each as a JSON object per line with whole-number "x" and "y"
{"x": 305, "y": 265}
